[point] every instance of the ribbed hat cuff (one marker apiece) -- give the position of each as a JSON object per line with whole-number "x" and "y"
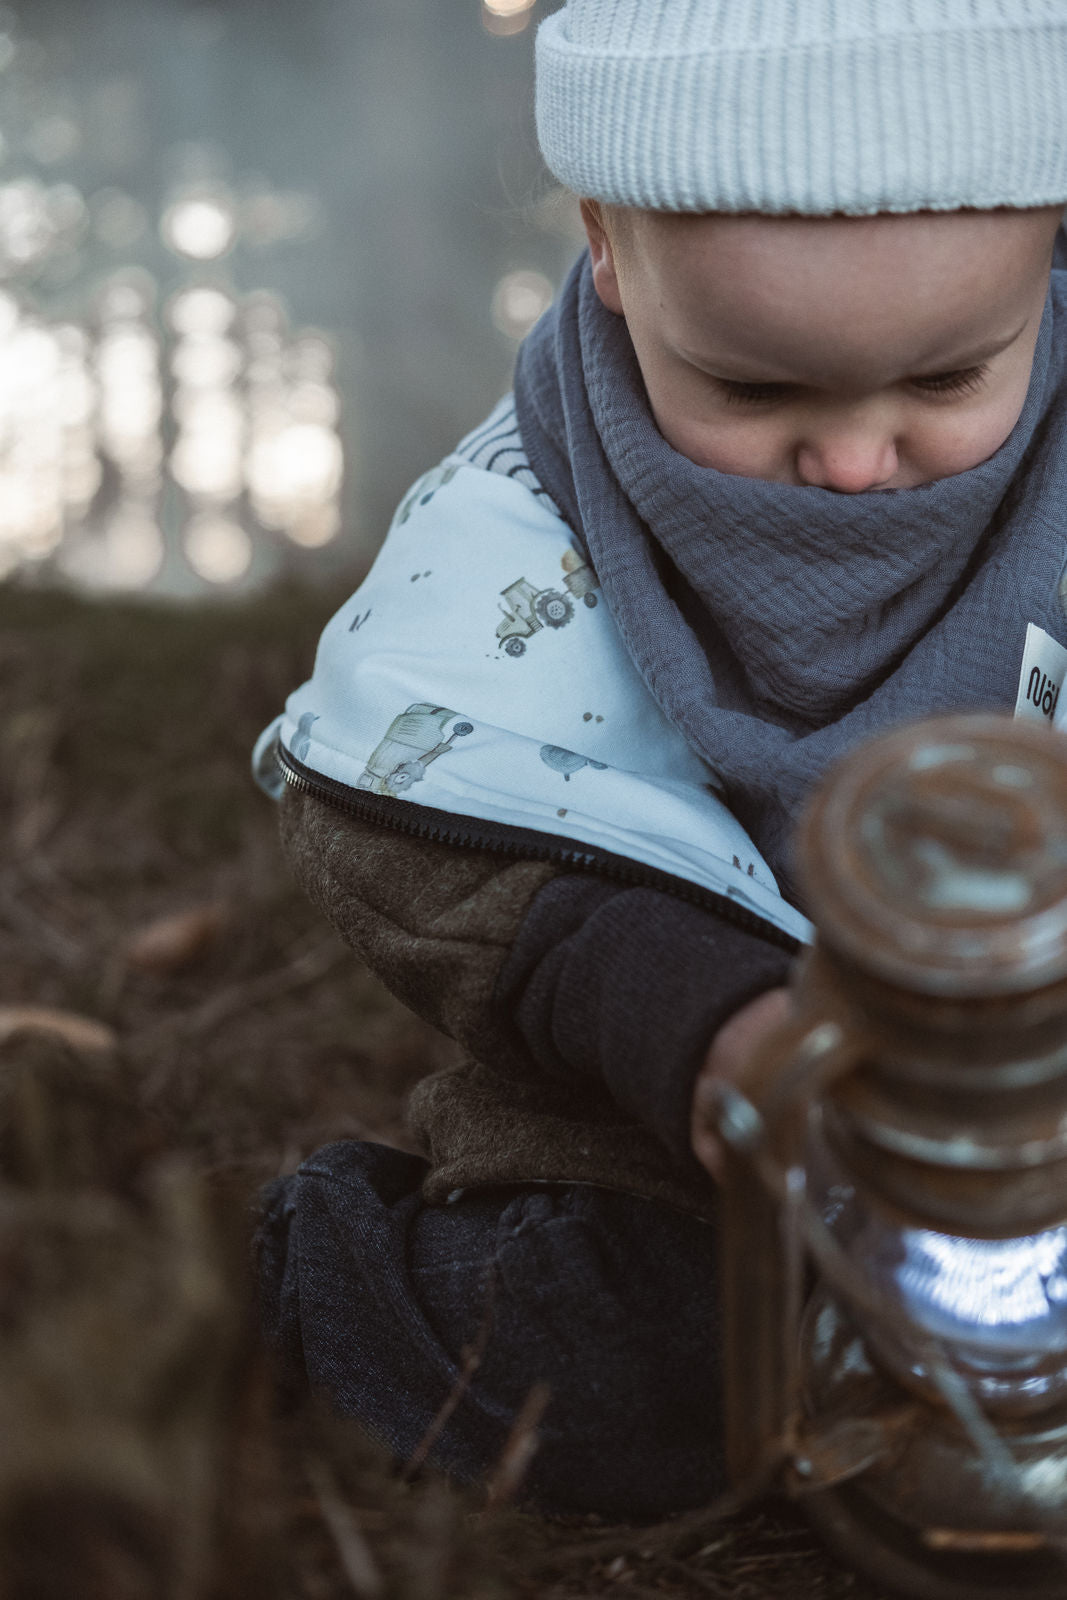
{"x": 904, "y": 122}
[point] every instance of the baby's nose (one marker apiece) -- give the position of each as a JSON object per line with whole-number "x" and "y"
{"x": 848, "y": 464}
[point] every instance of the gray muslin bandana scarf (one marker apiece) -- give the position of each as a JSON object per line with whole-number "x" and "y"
{"x": 779, "y": 626}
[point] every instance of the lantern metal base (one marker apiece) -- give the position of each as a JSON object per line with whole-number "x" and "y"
{"x": 861, "y": 1535}
{"x": 920, "y": 1512}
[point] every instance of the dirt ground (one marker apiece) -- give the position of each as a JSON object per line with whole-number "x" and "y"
{"x": 176, "y": 1027}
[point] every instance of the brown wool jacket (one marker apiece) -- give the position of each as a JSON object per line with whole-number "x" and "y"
{"x": 436, "y": 923}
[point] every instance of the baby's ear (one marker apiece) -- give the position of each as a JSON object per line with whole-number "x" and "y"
{"x": 602, "y": 250}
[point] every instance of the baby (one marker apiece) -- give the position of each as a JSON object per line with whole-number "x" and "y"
{"x": 785, "y": 464}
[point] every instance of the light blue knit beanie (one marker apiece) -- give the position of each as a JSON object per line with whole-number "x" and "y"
{"x": 808, "y": 106}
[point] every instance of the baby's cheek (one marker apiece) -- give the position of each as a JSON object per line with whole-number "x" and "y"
{"x": 956, "y": 441}
{"x": 748, "y": 448}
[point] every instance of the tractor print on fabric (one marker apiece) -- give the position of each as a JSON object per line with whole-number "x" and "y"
{"x": 414, "y": 739}
{"x": 568, "y": 761}
{"x": 528, "y": 609}
{"x": 424, "y": 491}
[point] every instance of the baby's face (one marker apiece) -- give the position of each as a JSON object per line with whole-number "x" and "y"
{"x": 845, "y": 353}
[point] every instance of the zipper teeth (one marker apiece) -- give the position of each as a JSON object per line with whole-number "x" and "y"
{"x": 405, "y": 816}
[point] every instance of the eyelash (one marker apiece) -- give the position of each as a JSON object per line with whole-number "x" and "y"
{"x": 963, "y": 382}
{"x": 967, "y": 381}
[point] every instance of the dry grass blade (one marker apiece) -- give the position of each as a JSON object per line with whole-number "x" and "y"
{"x": 521, "y": 1447}
{"x": 472, "y": 1360}
{"x": 167, "y": 944}
{"x": 430, "y": 1565}
{"x": 675, "y": 1538}
{"x": 354, "y": 1552}
{"x": 702, "y": 1582}
{"x": 80, "y": 1033}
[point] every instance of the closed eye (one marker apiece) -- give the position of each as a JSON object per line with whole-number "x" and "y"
{"x": 753, "y": 394}
{"x": 967, "y": 380}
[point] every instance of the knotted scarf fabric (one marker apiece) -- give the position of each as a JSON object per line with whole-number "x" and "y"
{"x": 778, "y": 626}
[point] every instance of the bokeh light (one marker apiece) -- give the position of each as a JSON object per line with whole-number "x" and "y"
{"x": 518, "y": 300}
{"x": 123, "y": 551}
{"x": 218, "y": 548}
{"x": 205, "y": 364}
{"x": 201, "y": 310}
{"x": 165, "y": 188}
{"x": 134, "y": 545}
{"x": 127, "y": 362}
{"x": 200, "y": 226}
{"x": 506, "y": 17}
{"x": 36, "y": 223}
{"x": 33, "y": 431}
{"x": 295, "y": 460}
{"x": 293, "y": 466}
{"x": 206, "y": 459}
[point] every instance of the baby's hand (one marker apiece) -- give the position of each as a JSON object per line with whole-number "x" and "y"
{"x": 732, "y": 1049}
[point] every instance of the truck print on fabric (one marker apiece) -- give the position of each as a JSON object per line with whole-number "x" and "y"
{"x": 414, "y": 739}
{"x": 568, "y": 761}
{"x": 528, "y": 609}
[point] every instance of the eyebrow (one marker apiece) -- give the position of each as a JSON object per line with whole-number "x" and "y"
{"x": 974, "y": 359}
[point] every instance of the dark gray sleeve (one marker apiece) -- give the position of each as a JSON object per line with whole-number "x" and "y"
{"x": 630, "y": 985}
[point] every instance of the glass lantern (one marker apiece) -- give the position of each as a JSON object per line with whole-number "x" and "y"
{"x": 894, "y": 1233}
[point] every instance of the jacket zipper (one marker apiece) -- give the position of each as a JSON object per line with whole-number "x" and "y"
{"x": 405, "y": 816}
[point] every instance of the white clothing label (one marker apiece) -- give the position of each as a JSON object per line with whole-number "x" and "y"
{"x": 1041, "y": 676}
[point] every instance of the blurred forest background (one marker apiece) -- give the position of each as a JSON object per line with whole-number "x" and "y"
{"x": 261, "y": 264}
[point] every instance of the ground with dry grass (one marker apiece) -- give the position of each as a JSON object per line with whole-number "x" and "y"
{"x": 177, "y": 1026}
